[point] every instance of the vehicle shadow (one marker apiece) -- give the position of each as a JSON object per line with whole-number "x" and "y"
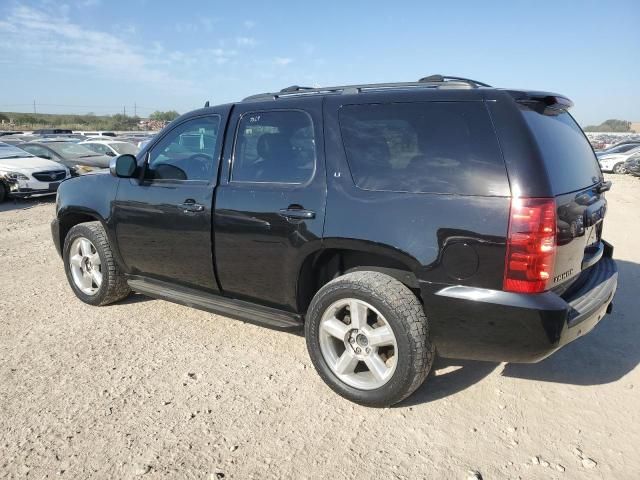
{"x": 134, "y": 298}
{"x": 449, "y": 376}
{"x": 25, "y": 203}
{"x": 605, "y": 354}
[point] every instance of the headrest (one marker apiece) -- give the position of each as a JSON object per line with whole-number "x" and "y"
{"x": 273, "y": 145}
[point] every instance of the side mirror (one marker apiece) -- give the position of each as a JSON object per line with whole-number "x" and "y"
{"x": 110, "y": 153}
{"x": 123, "y": 166}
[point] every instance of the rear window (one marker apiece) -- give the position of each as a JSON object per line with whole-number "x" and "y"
{"x": 431, "y": 147}
{"x": 566, "y": 152}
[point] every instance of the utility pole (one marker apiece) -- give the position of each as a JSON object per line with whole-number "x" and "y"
{"x": 135, "y": 109}
{"x": 34, "y": 106}
{"x": 124, "y": 110}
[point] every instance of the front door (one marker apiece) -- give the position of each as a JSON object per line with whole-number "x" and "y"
{"x": 163, "y": 220}
{"x": 270, "y": 202}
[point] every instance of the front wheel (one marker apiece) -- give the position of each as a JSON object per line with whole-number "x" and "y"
{"x": 368, "y": 338}
{"x": 619, "y": 168}
{"x": 90, "y": 267}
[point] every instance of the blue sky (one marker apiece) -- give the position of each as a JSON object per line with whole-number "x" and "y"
{"x": 99, "y": 55}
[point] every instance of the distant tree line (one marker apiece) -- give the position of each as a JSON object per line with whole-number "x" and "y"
{"x": 612, "y": 125}
{"x": 164, "y": 116}
{"x": 88, "y": 121}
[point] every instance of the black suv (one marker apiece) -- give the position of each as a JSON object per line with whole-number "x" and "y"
{"x": 389, "y": 220}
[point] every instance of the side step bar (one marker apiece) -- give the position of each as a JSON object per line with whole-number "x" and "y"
{"x": 249, "y": 312}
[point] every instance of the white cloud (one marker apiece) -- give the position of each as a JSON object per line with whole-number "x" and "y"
{"x": 246, "y": 41}
{"x": 282, "y": 61}
{"x": 249, "y": 24}
{"x": 44, "y": 38}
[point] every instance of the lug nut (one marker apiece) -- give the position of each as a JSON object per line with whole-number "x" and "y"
{"x": 368, "y": 350}
{"x": 352, "y": 340}
{"x": 358, "y": 350}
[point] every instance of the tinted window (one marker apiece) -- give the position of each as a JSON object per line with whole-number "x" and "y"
{"x": 276, "y": 146}
{"x": 567, "y": 154}
{"x": 440, "y": 147}
{"x": 185, "y": 153}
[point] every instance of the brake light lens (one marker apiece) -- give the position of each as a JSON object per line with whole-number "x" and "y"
{"x": 531, "y": 245}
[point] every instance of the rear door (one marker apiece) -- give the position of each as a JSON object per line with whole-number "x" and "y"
{"x": 270, "y": 203}
{"x": 575, "y": 179}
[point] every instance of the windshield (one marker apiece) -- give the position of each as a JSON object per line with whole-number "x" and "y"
{"x": 9, "y": 151}
{"x": 69, "y": 149}
{"x": 566, "y": 152}
{"x": 124, "y": 147}
{"x": 620, "y": 148}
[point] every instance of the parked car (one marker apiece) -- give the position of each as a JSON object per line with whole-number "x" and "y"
{"x": 632, "y": 165}
{"x": 9, "y": 132}
{"x": 71, "y": 137}
{"x": 615, "y": 162}
{"x": 17, "y": 139}
{"x": 52, "y": 131}
{"x": 387, "y": 220}
{"x": 111, "y": 148}
{"x": 24, "y": 175}
{"x": 618, "y": 148}
{"x": 74, "y": 156}
{"x": 98, "y": 134}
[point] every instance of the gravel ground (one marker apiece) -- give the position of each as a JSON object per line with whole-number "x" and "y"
{"x": 148, "y": 388}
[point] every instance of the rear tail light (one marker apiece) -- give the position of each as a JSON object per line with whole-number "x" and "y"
{"x": 531, "y": 245}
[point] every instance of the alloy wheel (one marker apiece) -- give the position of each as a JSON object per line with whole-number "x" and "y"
{"x": 358, "y": 344}
{"x": 85, "y": 265}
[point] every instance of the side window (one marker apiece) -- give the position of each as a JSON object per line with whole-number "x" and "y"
{"x": 274, "y": 147}
{"x": 98, "y": 148}
{"x": 186, "y": 152}
{"x": 430, "y": 147}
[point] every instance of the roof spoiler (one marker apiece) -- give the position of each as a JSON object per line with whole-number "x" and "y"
{"x": 545, "y": 101}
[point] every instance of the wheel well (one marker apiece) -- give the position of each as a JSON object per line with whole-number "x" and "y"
{"x": 69, "y": 221}
{"x": 322, "y": 267}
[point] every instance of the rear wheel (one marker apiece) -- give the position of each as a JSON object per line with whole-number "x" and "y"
{"x": 90, "y": 267}
{"x": 619, "y": 168}
{"x": 368, "y": 338}
{"x": 3, "y": 192}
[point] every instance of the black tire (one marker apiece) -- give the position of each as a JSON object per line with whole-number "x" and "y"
{"x": 403, "y": 313}
{"x": 619, "y": 169}
{"x": 114, "y": 287}
{"x": 3, "y": 192}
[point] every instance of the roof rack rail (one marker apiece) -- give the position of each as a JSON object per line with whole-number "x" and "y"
{"x": 434, "y": 81}
{"x": 295, "y": 88}
{"x": 446, "y": 78}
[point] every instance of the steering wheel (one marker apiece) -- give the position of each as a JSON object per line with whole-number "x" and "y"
{"x": 199, "y": 166}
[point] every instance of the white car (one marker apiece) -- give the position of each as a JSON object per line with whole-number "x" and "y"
{"x": 24, "y": 175}
{"x": 110, "y": 147}
{"x": 614, "y": 162}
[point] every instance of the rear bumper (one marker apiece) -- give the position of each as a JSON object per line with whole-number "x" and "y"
{"x": 492, "y": 325}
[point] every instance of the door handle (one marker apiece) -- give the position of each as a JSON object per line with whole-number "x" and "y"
{"x": 190, "y": 205}
{"x": 297, "y": 213}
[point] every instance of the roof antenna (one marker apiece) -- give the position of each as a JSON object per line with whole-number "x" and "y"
{"x": 206, "y": 104}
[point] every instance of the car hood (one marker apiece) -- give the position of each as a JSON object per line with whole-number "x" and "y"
{"x": 28, "y": 163}
{"x": 101, "y": 161}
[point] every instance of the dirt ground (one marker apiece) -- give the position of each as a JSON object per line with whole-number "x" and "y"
{"x": 152, "y": 389}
